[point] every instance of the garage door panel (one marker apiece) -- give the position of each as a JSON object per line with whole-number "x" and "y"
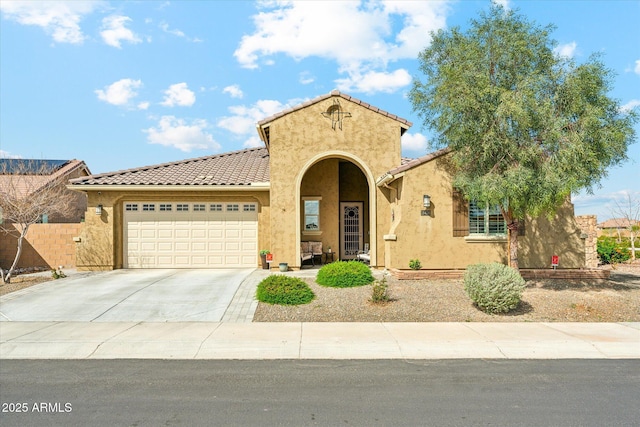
{"x": 181, "y": 246}
{"x": 205, "y": 235}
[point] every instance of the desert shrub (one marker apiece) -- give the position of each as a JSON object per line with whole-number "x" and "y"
{"x": 415, "y": 264}
{"x": 344, "y": 274}
{"x": 610, "y": 251}
{"x": 284, "y": 290}
{"x": 380, "y": 291}
{"x": 495, "y": 288}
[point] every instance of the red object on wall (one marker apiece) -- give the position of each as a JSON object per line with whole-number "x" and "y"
{"x": 269, "y": 257}
{"x": 554, "y": 260}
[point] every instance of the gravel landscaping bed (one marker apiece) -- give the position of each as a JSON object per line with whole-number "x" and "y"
{"x": 615, "y": 300}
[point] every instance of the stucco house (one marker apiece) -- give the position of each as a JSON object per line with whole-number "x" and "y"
{"x": 331, "y": 171}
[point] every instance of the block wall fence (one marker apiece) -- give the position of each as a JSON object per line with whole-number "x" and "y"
{"x": 45, "y": 246}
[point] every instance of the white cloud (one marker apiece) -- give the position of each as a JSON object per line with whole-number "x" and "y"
{"x": 373, "y": 82}
{"x": 360, "y": 38}
{"x": 253, "y": 142}
{"x": 114, "y": 31}
{"x": 177, "y": 133}
{"x": 630, "y": 105}
{"x": 60, "y": 19}
{"x": 244, "y": 119}
{"x": 306, "y": 78}
{"x": 165, "y": 27}
{"x": 603, "y": 205}
{"x": 234, "y": 91}
{"x": 179, "y": 94}
{"x": 503, "y": 3}
{"x": 414, "y": 142}
{"x": 120, "y": 92}
{"x": 567, "y": 50}
{"x": 143, "y": 105}
{"x": 8, "y": 155}
{"x": 637, "y": 67}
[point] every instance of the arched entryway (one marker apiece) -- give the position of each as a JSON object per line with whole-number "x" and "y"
{"x": 336, "y": 194}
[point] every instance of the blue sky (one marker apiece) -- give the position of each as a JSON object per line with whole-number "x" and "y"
{"x": 128, "y": 84}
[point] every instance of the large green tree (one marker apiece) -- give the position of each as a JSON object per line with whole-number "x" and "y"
{"x": 526, "y": 126}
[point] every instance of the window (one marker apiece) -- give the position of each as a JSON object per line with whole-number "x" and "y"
{"x": 249, "y": 208}
{"x": 215, "y": 207}
{"x": 232, "y": 208}
{"x": 199, "y": 208}
{"x": 148, "y": 207}
{"x": 131, "y": 207}
{"x": 182, "y": 207}
{"x": 165, "y": 207}
{"x": 486, "y": 220}
{"x": 312, "y": 215}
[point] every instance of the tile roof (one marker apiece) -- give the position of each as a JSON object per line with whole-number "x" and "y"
{"x": 618, "y": 223}
{"x": 327, "y": 96}
{"x": 407, "y": 164}
{"x": 241, "y": 168}
{"x": 39, "y": 172}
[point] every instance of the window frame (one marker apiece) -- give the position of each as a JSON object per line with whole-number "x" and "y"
{"x": 490, "y": 220}
{"x": 307, "y": 203}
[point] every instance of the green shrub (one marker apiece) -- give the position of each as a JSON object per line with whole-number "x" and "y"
{"x": 344, "y": 274}
{"x": 380, "y": 291}
{"x": 415, "y": 264}
{"x": 495, "y": 288}
{"x": 610, "y": 251}
{"x": 284, "y": 290}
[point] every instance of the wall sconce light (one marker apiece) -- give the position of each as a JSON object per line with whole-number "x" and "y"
{"x": 426, "y": 202}
{"x": 99, "y": 210}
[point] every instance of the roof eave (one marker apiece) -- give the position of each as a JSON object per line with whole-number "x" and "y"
{"x": 254, "y": 186}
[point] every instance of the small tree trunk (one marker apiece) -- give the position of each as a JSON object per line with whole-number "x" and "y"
{"x": 512, "y": 227}
{"x": 23, "y": 233}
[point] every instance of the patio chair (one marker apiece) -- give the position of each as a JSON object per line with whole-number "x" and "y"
{"x": 316, "y": 250}
{"x": 364, "y": 254}
{"x": 305, "y": 253}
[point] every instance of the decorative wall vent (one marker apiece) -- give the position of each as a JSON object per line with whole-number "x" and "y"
{"x": 336, "y": 114}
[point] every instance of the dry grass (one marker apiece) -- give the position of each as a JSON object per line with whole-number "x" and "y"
{"x": 616, "y": 300}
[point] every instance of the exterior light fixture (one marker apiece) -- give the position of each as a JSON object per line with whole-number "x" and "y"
{"x": 99, "y": 210}
{"x": 426, "y": 202}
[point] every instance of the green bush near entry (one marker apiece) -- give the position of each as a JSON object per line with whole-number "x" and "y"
{"x": 284, "y": 290}
{"x": 494, "y": 288}
{"x": 344, "y": 274}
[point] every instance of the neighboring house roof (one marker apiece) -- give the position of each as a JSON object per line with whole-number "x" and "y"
{"x": 236, "y": 168}
{"x": 37, "y": 173}
{"x": 617, "y": 223}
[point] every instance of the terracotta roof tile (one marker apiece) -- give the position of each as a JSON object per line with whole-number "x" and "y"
{"x": 242, "y": 167}
{"x": 617, "y": 223}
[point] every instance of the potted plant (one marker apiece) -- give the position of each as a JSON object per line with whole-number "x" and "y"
{"x": 263, "y": 258}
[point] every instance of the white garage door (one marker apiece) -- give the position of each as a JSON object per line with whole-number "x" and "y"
{"x": 190, "y": 235}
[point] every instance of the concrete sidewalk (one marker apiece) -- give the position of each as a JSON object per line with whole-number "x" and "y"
{"x": 202, "y": 340}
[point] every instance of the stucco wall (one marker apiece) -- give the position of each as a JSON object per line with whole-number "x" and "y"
{"x": 101, "y": 245}
{"x": 430, "y": 238}
{"x": 298, "y": 140}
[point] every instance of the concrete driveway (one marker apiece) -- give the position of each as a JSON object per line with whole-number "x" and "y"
{"x": 128, "y": 296}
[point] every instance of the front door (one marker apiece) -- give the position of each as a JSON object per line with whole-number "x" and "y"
{"x": 351, "y": 229}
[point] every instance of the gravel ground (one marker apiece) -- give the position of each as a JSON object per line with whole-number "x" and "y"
{"x": 616, "y": 300}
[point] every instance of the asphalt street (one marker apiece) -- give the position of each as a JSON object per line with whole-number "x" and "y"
{"x": 320, "y": 393}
